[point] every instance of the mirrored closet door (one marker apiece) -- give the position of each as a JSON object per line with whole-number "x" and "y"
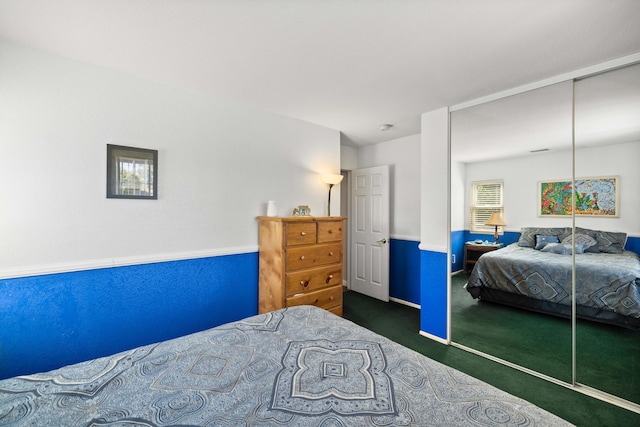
{"x": 515, "y": 142}
{"x": 607, "y": 151}
{"x": 565, "y": 157}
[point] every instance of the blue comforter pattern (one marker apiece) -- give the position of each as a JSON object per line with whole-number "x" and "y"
{"x": 603, "y": 281}
{"x": 301, "y": 366}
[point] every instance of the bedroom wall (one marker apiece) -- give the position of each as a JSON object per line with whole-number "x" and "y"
{"x": 82, "y": 275}
{"x": 521, "y": 192}
{"x": 434, "y": 224}
{"x": 521, "y": 189}
{"x": 403, "y": 157}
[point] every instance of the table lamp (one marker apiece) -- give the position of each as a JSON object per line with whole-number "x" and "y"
{"x": 497, "y": 221}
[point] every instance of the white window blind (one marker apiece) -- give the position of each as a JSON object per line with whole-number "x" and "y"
{"x": 487, "y": 198}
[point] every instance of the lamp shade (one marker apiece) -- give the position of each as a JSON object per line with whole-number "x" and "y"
{"x": 330, "y": 178}
{"x": 496, "y": 219}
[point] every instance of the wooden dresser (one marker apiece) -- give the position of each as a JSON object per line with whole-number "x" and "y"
{"x": 300, "y": 262}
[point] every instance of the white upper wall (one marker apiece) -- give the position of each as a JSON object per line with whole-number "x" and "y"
{"x": 348, "y": 157}
{"x": 435, "y": 212}
{"x": 522, "y": 175}
{"x": 403, "y": 157}
{"x": 219, "y": 163}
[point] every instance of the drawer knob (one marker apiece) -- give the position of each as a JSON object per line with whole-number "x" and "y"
{"x": 331, "y": 298}
{"x": 303, "y": 233}
{"x": 304, "y": 283}
{"x": 330, "y": 253}
{"x": 329, "y": 277}
{"x": 302, "y": 258}
{"x": 330, "y": 231}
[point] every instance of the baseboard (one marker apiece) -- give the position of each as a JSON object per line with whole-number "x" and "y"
{"x": 434, "y": 337}
{"x": 403, "y": 302}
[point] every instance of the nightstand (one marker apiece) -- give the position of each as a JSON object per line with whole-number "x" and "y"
{"x": 473, "y": 251}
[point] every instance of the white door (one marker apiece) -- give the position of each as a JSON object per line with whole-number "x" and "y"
{"x": 370, "y": 232}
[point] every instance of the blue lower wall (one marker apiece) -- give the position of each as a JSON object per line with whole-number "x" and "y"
{"x": 633, "y": 244}
{"x": 404, "y": 270}
{"x": 458, "y": 238}
{"x": 54, "y": 320}
{"x": 433, "y": 295}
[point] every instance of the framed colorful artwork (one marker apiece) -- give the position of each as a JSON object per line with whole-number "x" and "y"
{"x": 594, "y": 196}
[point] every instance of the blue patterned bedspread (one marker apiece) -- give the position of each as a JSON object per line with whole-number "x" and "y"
{"x": 301, "y": 366}
{"x": 603, "y": 281}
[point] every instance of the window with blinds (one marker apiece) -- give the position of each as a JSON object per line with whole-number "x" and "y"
{"x": 487, "y": 197}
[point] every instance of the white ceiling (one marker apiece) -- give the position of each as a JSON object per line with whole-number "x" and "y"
{"x": 349, "y": 65}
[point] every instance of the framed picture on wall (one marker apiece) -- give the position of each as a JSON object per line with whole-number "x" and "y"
{"x": 132, "y": 173}
{"x": 594, "y": 196}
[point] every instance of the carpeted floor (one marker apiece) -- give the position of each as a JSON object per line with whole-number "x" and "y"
{"x": 607, "y": 356}
{"x": 401, "y": 324}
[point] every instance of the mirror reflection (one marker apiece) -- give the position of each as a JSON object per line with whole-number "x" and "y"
{"x": 513, "y": 143}
{"x": 514, "y": 156}
{"x": 607, "y": 122}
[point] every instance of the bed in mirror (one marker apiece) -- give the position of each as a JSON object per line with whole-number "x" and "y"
{"x": 515, "y": 141}
{"x": 532, "y": 142}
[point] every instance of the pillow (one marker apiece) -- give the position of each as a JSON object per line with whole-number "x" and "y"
{"x": 592, "y": 249}
{"x": 610, "y": 242}
{"x": 528, "y": 234}
{"x": 590, "y": 233}
{"x": 542, "y": 240}
{"x": 581, "y": 239}
{"x": 562, "y": 249}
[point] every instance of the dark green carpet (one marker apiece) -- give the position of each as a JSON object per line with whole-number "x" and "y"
{"x": 607, "y": 356}
{"x": 401, "y": 324}
{"x": 511, "y": 334}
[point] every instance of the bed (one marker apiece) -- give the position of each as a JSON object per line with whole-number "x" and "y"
{"x": 535, "y": 273}
{"x": 299, "y": 366}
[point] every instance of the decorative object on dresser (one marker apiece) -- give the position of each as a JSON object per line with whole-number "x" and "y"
{"x": 272, "y": 208}
{"x": 302, "y": 210}
{"x": 300, "y": 262}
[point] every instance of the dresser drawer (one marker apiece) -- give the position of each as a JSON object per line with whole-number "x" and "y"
{"x": 313, "y": 256}
{"x": 325, "y": 298}
{"x": 329, "y": 231}
{"x": 313, "y": 279}
{"x": 300, "y": 262}
{"x": 301, "y": 233}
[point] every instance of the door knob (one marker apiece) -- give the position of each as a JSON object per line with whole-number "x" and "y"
{"x": 383, "y": 241}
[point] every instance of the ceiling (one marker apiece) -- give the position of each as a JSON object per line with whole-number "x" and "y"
{"x": 601, "y": 109}
{"x": 349, "y": 65}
